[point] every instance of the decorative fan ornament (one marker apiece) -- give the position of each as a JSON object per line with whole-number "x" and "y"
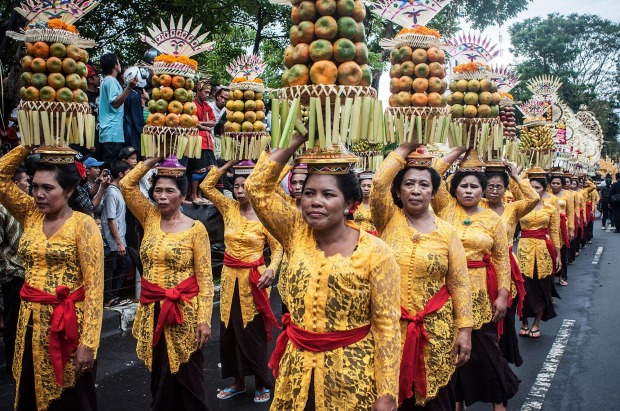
{"x": 177, "y": 40}
{"x": 41, "y": 11}
{"x": 473, "y": 47}
{"x": 590, "y": 123}
{"x": 248, "y": 67}
{"x": 544, "y": 87}
{"x": 533, "y": 112}
{"x": 505, "y": 78}
{"x": 408, "y": 14}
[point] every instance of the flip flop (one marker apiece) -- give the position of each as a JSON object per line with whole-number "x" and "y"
{"x": 230, "y": 391}
{"x": 258, "y": 394}
{"x": 524, "y": 332}
{"x": 534, "y": 334}
{"x": 563, "y": 282}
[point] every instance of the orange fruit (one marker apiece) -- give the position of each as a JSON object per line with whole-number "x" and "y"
{"x": 436, "y": 70}
{"x": 421, "y": 70}
{"x": 295, "y": 15}
{"x": 159, "y": 119}
{"x": 172, "y": 120}
{"x": 194, "y": 121}
{"x": 165, "y": 80}
{"x": 392, "y": 100}
{"x": 394, "y": 85}
{"x": 359, "y": 13}
{"x": 175, "y": 107}
{"x": 27, "y": 63}
{"x": 73, "y": 52}
{"x": 405, "y": 83}
{"x": 301, "y": 53}
{"x": 345, "y": 7}
{"x": 250, "y": 105}
{"x": 84, "y": 56}
{"x": 326, "y": 28}
{"x": 26, "y": 78}
{"x": 405, "y": 53}
{"x": 80, "y": 69}
{"x": 321, "y": 50}
{"x": 258, "y": 96}
{"x": 420, "y": 85}
{"x": 178, "y": 82}
{"x": 485, "y": 98}
{"x": 408, "y": 69}
{"x": 361, "y": 53}
{"x": 434, "y": 84}
{"x": 41, "y": 49}
{"x": 361, "y": 33}
{"x": 324, "y": 72}
{"x": 434, "y": 99}
{"x": 299, "y": 75}
{"x": 470, "y": 111}
{"x": 73, "y": 81}
{"x": 38, "y": 65}
{"x": 56, "y": 80}
{"x": 260, "y": 106}
{"x": 284, "y": 79}
{"x": 161, "y": 105}
{"x": 305, "y": 32}
{"x": 307, "y": 11}
{"x": 484, "y": 111}
{"x": 39, "y": 80}
{"x": 238, "y": 117}
{"x": 189, "y": 84}
{"x": 58, "y": 50}
{"x": 237, "y": 95}
{"x": 419, "y": 99}
{"x": 155, "y": 81}
{"x": 239, "y": 105}
{"x": 84, "y": 84}
{"x": 29, "y": 49}
{"x": 258, "y": 126}
{"x": 68, "y": 66}
{"x": 325, "y": 7}
{"x": 48, "y": 94}
{"x": 456, "y": 110}
{"x": 155, "y": 93}
{"x": 79, "y": 96}
{"x": 64, "y": 95}
{"x": 395, "y": 71}
{"x": 288, "y": 57}
{"x": 235, "y": 127}
{"x": 250, "y": 116}
{"x": 403, "y": 99}
{"x": 458, "y": 97}
{"x": 189, "y": 108}
{"x": 344, "y": 50}
{"x": 435, "y": 54}
{"x": 149, "y": 120}
{"x": 180, "y": 95}
{"x": 349, "y": 74}
{"x": 190, "y": 95}
{"x": 166, "y": 93}
{"x": 247, "y": 126}
{"x": 366, "y": 75}
{"x": 419, "y": 56}
{"x": 228, "y": 127}
{"x": 152, "y": 106}
{"x": 294, "y": 35}
{"x": 32, "y": 94}
{"x": 347, "y": 27}
{"x": 260, "y": 115}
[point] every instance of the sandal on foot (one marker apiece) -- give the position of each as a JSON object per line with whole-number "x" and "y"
{"x": 231, "y": 391}
{"x": 258, "y": 394}
{"x": 524, "y": 331}
{"x": 563, "y": 282}
{"x": 534, "y": 334}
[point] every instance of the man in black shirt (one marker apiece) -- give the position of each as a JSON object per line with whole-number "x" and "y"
{"x": 614, "y": 202}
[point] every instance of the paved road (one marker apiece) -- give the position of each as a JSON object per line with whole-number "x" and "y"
{"x": 581, "y": 374}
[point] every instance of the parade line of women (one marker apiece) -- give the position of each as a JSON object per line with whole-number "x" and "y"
{"x": 400, "y": 289}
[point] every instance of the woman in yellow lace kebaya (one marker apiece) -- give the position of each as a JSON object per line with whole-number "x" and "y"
{"x": 343, "y": 297}
{"x": 567, "y": 223}
{"x": 62, "y": 252}
{"x": 173, "y": 320}
{"x": 362, "y": 215}
{"x": 433, "y": 267}
{"x": 511, "y": 213}
{"x": 247, "y": 319}
{"x": 538, "y": 258}
{"x": 486, "y": 377}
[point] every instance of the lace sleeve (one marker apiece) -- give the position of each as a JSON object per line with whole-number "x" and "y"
{"x": 202, "y": 268}
{"x": 90, "y": 255}
{"x": 529, "y": 201}
{"x": 499, "y": 255}
{"x": 554, "y": 229}
{"x": 517, "y": 189}
{"x": 381, "y": 202}
{"x": 19, "y": 204}
{"x": 273, "y": 211}
{"x": 276, "y": 251}
{"x": 222, "y": 202}
{"x": 139, "y": 205}
{"x": 385, "y": 315}
{"x": 458, "y": 283}
{"x": 570, "y": 210}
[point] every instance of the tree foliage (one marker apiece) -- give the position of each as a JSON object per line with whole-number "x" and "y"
{"x": 583, "y": 51}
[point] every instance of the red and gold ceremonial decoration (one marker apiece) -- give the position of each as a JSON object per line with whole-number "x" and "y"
{"x": 54, "y": 111}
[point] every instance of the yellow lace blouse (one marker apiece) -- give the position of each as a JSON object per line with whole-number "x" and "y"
{"x": 363, "y": 218}
{"x": 244, "y": 240}
{"x": 427, "y": 262}
{"x": 484, "y": 234}
{"x": 533, "y": 252}
{"x": 73, "y": 257}
{"x": 567, "y": 207}
{"x": 168, "y": 259}
{"x": 327, "y": 294}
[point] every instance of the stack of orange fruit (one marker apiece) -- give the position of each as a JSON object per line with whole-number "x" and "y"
{"x": 172, "y": 103}
{"x": 327, "y": 44}
{"x": 473, "y": 98}
{"x": 54, "y": 72}
{"x": 417, "y": 77}
{"x": 246, "y": 112}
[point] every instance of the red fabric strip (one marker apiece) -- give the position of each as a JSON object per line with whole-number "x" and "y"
{"x": 170, "y": 312}
{"x": 517, "y": 277}
{"x": 589, "y": 214}
{"x": 260, "y": 297}
{"x": 312, "y": 341}
{"x": 64, "y": 338}
{"x": 542, "y": 234}
{"x": 492, "y": 284}
{"x": 412, "y": 367}
{"x": 564, "y": 229}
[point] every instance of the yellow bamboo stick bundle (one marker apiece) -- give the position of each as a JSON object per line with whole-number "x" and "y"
{"x": 355, "y": 120}
{"x": 275, "y": 121}
{"x": 319, "y": 122}
{"x": 312, "y": 122}
{"x": 345, "y": 121}
{"x": 336, "y": 120}
{"x": 365, "y": 119}
{"x": 328, "y": 122}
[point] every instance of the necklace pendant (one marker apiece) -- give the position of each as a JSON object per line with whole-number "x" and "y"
{"x": 467, "y": 221}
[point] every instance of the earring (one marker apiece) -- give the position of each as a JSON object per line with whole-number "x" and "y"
{"x": 346, "y": 212}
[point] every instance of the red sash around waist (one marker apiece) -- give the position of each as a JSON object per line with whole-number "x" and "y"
{"x": 260, "y": 297}
{"x": 542, "y": 234}
{"x": 170, "y": 312}
{"x": 63, "y": 339}
{"x": 564, "y": 229}
{"x": 312, "y": 341}
{"x": 517, "y": 278}
{"x": 589, "y": 214}
{"x": 582, "y": 224}
{"x": 492, "y": 284}
{"x": 412, "y": 367}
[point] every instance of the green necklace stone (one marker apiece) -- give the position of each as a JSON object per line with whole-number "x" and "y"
{"x": 467, "y": 221}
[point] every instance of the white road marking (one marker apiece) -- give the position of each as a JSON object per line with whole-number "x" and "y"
{"x": 598, "y": 255}
{"x": 536, "y": 397}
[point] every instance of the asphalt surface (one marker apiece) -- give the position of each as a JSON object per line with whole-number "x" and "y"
{"x": 586, "y": 378}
